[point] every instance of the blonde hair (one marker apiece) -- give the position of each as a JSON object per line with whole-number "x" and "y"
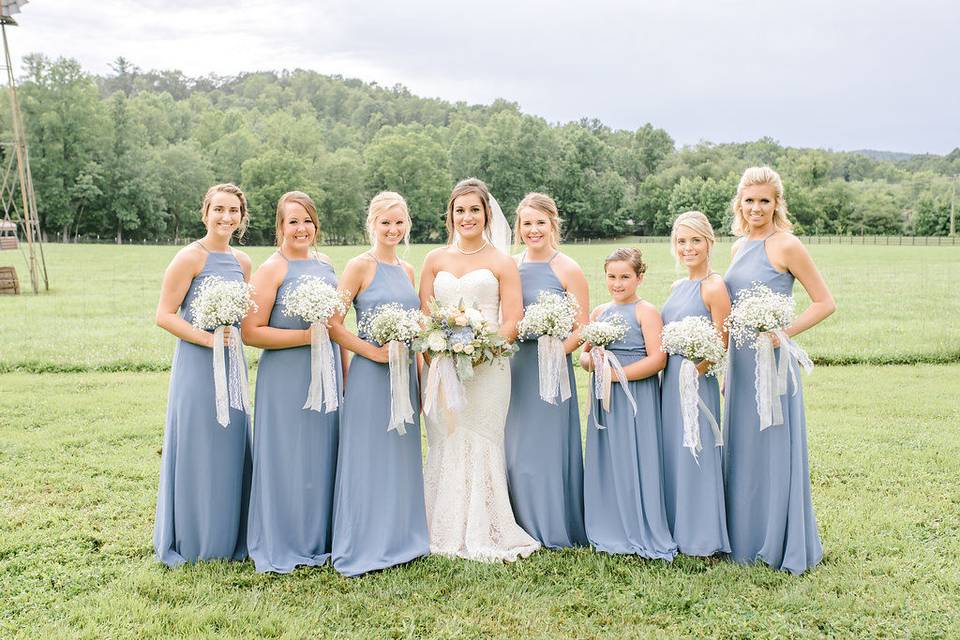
{"x": 751, "y": 177}
{"x": 380, "y": 204}
{"x": 631, "y": 256}
{"x": 304, "y": 201}
{"x": 699, "y": 223}
{"x": 232, "y": 189}
{"x": 464, "y": 187}
{"x": 544, "y": 204}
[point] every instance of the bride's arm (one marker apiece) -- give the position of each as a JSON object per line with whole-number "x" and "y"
{"x": 511, "y": 299}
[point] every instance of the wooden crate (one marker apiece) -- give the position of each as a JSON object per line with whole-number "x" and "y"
{"x": 9, "y": 281}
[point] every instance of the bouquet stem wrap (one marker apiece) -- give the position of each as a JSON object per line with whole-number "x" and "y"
{"x": 690, "y": 406}
{"x": 772, "y": 378}
{"x": 323, "y": 375}
{"x": 235, "y": 394}
{"x": 401, "y": 411}
{"x": 552, "y": 360}
{"x": 604, "y": 362}
{"x": 443, "y": 384}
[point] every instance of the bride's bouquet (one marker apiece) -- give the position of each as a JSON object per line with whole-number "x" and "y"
{"x": 392, "y": 325}
{"x": 315, "y": 301}
{"x": 601, "y": 334}
{"x": 758, "y": 312}
{"x": 219, "y": 304}
{"x": 694, "y": 338}
{"x": 551, "y": 320}
{"x": 458, "y": 339}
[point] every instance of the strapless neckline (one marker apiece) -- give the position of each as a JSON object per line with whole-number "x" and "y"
{"x": 468, "y": 273}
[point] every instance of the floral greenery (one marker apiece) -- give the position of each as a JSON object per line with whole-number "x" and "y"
{"x": 756, "y": 310}
{"x": 552, "y": 314}
{"x": 221, "y": 303}
{"x": 313, "y": 300}
{"x": 695, "y": 338}
{"x": 602, "y": 333}
{"x": 391, "y": 322}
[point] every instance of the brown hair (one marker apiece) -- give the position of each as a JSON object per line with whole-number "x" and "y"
{"x": 629, "y": 255}
{"x": 753, "y": 176}
{"x": 544, "y": 204}
{"x": 232, "y": 189}
{"x": 465, "y": 186}
{"x": 304, "y": 201}
{"x": 381, "y": 203}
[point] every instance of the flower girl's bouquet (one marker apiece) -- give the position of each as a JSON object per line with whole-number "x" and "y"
{"x": 756, "y": 313}
{"x": 219, "y": 304}
{"x": 457, "y": 338}
{"x": 392, "y": 325}
{"x": 694, "y": 338}
{"x": 601, "y": 334}
{"x": 551, "y": 320}
{"x": 315, "y": 301}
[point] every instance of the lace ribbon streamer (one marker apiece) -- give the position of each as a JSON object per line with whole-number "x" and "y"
{"x": 552, "y": 361}
{"x": 690, "y": 406}
{"x": 771, "y": 377}
{"x": 604, "y": 362}
{"x": 322, "y": 393}
{"x": 443, "y": 384}
{"x": 401, "y": 411}
{"x": 235, "y": 394}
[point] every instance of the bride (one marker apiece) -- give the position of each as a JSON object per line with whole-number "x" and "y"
{"x": 465, "y": 480}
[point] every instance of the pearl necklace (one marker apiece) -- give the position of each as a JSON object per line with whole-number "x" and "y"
{"x": 470, "y": 253}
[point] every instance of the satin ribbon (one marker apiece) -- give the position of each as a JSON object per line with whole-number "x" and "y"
{"x": 322, "y": 393}
{"x": 401, "y": 411}
{"x": 690, "y": 406}
{"x": 552, "y": 360}
{"x": 444, "y": 385}
{"x": 771, "y": 377}
{"x": 236, "y": 393}
{"x": 604, "y": 363}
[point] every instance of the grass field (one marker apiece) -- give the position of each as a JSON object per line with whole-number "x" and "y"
{"x": 896, "y": 304}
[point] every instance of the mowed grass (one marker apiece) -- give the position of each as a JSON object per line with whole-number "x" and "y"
{"x": 79, "y": 463}
{"x": 896, "y": 304}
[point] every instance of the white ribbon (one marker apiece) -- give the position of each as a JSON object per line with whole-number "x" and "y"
{"x": 235, "y": 394}
{"x": 443, "y": 384}
{"x": 603, "y": 363}
{"x": 771, "y": 378}
{"x": 323, "y": 374}
{"x": 552, "y": 361}
{"x": 401, "y": 411}
{"x": 690, "y": 405}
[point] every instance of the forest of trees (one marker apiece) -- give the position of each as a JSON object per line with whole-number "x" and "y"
{"x": 127, "y": 157}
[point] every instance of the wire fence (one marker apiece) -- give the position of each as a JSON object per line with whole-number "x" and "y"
{"x": 907, "y": 241}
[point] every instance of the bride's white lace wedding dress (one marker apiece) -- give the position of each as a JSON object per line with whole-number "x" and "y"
{"x": 465, "y": 479}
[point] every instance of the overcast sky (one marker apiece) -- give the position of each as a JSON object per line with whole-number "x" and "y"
{"x": 840, "y": 74}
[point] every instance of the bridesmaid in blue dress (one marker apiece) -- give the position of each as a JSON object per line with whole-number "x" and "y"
{"x": 205, "y": 469}
{"x": 693, "y": 489}
{"x": 769, "y": 510}
{"x": 379, "y": 516}
{"x": 542, "y": 440}
{"x": 294, "y": 449}
{"x": 623, "y": 481}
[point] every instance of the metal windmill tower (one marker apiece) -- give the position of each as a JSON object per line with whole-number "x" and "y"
{"x": 16, "y": 170}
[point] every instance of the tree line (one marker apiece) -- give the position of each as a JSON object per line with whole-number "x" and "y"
{"x": 128, "y": 155}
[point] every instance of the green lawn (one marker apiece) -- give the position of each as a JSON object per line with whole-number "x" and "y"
{"x": 896, "y": 304}
{"x": 78, "y": 473}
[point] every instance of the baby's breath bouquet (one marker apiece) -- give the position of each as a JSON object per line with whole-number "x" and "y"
{"x": 457, "y": 338}
{"x": 551, "y": 320}
{"x": 219, "y": 304}
{"x": 694, "y": 338}
{"x": 601, "y": 334}
{"x": 315, "y": 301}
{"x": 758, "y": 313}
{"x": 391, "y": 324}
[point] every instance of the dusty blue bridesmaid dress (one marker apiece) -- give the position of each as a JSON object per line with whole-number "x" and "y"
{"x": 542, "y": 440}
{"x": 294, "y": 449}
{"x": 693, "y": 493}
{"x": 205, "y": 468}
{"x": 622, "y": 475}
{"x": 379, "y": 516}
{"x": 769, "y": 511}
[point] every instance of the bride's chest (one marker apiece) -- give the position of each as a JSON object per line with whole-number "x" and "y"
{"x": 478, "y": 286}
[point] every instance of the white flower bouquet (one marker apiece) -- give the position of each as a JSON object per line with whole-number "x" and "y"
{"x": 391, "y": 324}
{"x": 315, "y": 301}
{"x": 601, "y": 334}
{"x": 219, "y": 304}
{"x": 755, "y": 311}
{"x": 551, "y": 319}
